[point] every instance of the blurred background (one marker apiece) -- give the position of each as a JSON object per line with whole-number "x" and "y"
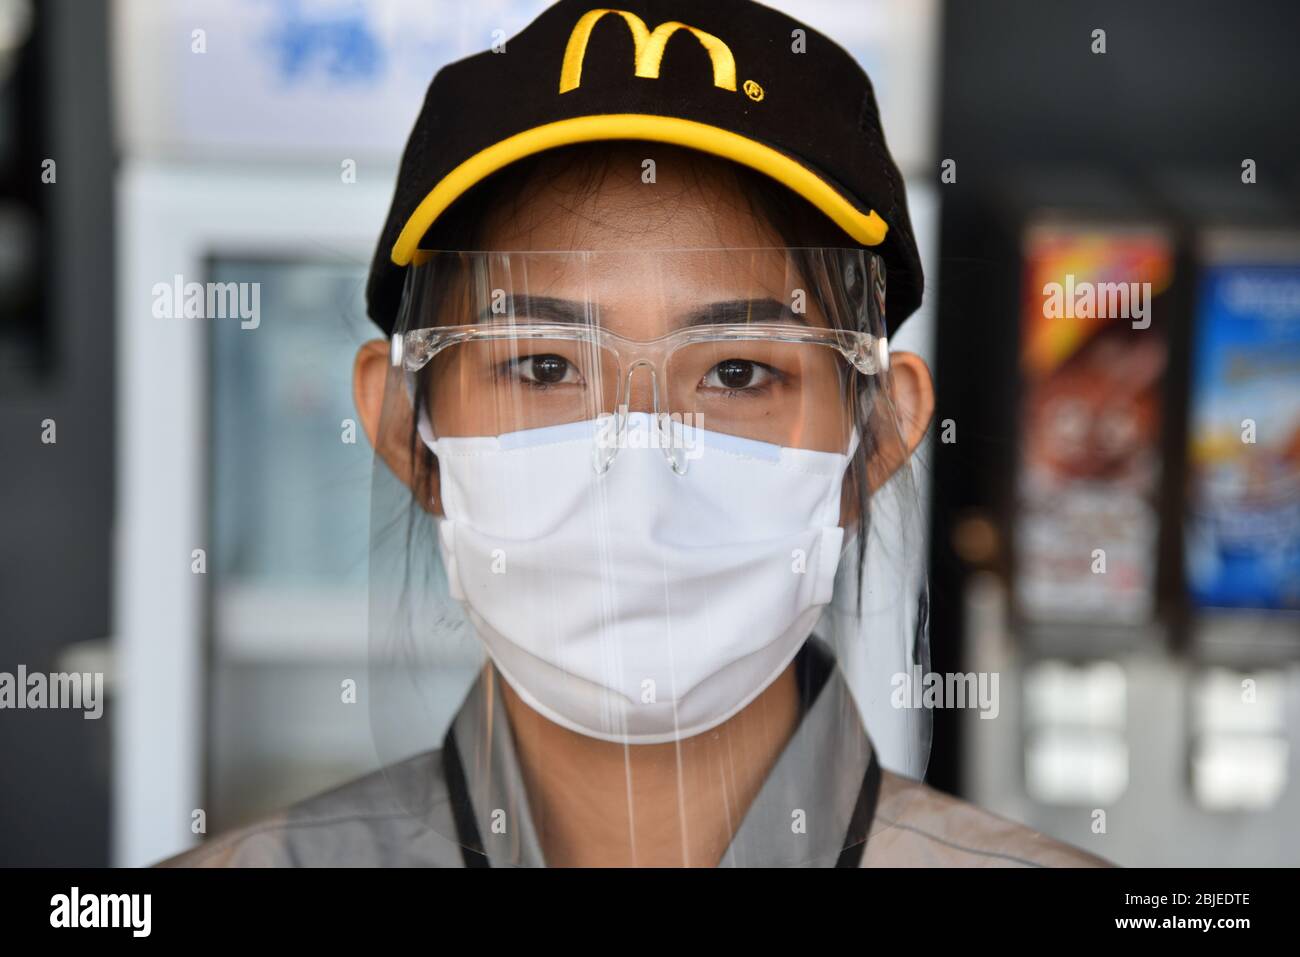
{"x": 1115, "y": 504}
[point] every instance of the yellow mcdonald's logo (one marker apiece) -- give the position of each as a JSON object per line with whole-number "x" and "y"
{"x": 649, "y": 47}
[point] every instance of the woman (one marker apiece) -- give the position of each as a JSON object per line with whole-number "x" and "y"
{"x": 643, "y": 481}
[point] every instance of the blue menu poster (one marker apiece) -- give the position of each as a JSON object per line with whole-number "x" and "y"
{"x": 1243, "y": 526}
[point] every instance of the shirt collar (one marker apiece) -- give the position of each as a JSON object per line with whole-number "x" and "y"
{"x": 800, "y": 816}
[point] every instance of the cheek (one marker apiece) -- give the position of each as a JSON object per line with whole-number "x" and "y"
{"x": 450, "y": 402}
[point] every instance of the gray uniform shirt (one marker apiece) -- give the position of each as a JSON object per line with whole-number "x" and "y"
{"x": 364, "y": 824}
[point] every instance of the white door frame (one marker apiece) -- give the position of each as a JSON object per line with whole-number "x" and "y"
{"x": 171, "y": 219}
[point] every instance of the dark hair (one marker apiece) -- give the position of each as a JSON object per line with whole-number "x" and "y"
{"x": 799, "y": 225}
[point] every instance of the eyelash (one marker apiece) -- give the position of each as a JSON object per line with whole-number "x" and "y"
{"x": 511, "y": 367}
{"x": 777, "y": 378}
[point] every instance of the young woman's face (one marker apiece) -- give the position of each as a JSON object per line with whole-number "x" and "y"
{"x": 778, "y": 393}
{"x": 695, "y": 203}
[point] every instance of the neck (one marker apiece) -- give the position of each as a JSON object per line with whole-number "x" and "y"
{"x": 595, "y": 803}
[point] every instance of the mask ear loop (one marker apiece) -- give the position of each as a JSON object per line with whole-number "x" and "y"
{"x": 424, "y": 428}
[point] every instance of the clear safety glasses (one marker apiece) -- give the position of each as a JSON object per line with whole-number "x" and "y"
{"x": 756, "y": 380}
{"x": 770, "y": 345}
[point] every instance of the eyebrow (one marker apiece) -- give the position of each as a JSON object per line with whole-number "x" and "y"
{"x": 552, "y": 309}
{"x": 743, "y": 311}
{"x": 545, "y": 308}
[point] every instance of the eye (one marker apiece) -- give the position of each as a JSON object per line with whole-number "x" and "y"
{"x": 735, "y": 374}
{"x": 547, "y": 370}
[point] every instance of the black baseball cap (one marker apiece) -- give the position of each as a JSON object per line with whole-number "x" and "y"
{"x": 726, "y": 77}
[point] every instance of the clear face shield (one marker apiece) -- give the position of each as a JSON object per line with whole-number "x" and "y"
{"x": 647, "y": 561}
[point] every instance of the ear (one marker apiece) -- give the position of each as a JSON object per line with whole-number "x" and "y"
{"x": 370, "y": 374}
{"x": 904, "y": 416}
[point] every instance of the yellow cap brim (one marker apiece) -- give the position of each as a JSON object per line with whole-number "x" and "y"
{"x": 866, "y": 228}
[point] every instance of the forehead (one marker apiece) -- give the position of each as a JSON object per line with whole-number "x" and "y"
{"x": 643, "y": 279}
{"x": 663, "y": 230}
{"x": 629, "y": 195}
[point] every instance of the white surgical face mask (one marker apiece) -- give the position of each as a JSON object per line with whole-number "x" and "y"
{"x": 638, "y": 605}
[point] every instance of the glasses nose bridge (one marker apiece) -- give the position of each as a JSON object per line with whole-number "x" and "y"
{"x": 611, "y": 440}
{"x": 634, "y": 399}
